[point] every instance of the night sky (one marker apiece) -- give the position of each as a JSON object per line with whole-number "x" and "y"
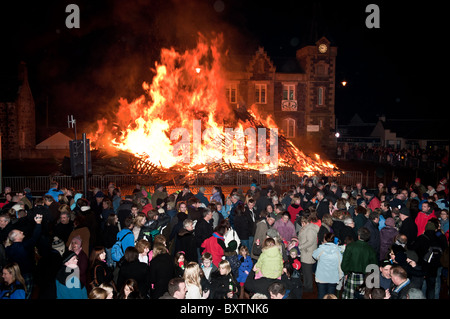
{"x": 396, "y": 69}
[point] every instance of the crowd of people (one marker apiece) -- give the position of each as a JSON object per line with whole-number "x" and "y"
{"x": 416, "y": 157}
{"x": 265, "y": 242}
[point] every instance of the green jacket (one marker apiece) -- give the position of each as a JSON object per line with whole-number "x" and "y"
{"x": 357, "y": 256}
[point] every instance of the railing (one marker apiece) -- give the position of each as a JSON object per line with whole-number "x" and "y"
{"x": 40, "y": 184}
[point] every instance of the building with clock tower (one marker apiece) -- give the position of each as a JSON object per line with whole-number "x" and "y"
{"x": 299, "y": 92}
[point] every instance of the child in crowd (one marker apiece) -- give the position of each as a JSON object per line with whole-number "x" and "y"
{"x": 179, "y": 263}
{"x": 270, "y": 262}
{"x": 207, "y": 266}
{"x": 244, "y": 268}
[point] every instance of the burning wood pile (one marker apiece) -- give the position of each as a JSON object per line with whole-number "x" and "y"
{"x": 184, "y": 124}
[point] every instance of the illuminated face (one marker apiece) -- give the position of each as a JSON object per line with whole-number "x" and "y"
{"x": 386, "y": 271}
{"x": 223, "y": 270}
{"x": 7, "y": 277}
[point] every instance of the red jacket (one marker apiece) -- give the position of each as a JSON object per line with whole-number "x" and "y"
{"x": 422, "y": 220}
{"x": 215, "y": 245}
{"x": 374, "y": 203}
{"x": 294, "y": 212}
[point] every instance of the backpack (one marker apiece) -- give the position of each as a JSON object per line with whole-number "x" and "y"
{"x": 433, "y": 255}
{"x": 117, "y": 251}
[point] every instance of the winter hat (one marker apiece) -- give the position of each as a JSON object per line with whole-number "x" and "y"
{"x": 390, "y": 222}
{"x": 272, "y": 215}
{"x": 17, "y": 207}
{"x": 67, "y": 256}
{"x": 273, "y": 233}
{"x": 385, "y": 262}
{"x": 58, "y": 245}
{"x": 232, "y": 245}
{"x": 99, "y": 194}
{"x": 405, "y": 211}
{"x": 411, "y": 254}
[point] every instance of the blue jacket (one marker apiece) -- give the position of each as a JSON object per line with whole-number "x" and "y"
{"x": 246, "y": 265}
{"x": 128, "y": 240}
{"x": 329, "y": 258}
{"x": 13, "y": 291}
{"x": 64, "y": 292}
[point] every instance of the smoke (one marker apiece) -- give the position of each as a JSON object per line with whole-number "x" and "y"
{"x": 116, "y": 47}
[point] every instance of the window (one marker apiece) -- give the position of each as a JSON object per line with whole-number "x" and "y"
{"x": 260, "y": 93}
{"x": 289, "y": 127}
{"x": 231, "y": 92}
{"x": 289, "y": 92}
{"x": 320, "y": 96}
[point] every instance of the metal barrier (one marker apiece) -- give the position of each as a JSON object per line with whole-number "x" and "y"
{"x": 243, "y": 179}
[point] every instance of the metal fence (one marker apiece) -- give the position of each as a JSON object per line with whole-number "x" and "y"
{"x": 40, "y": 184}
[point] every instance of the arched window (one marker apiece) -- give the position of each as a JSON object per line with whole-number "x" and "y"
{"x": 289, "y": 127}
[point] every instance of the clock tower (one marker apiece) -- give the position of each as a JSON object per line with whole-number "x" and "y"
{"x": 319, "y": 63}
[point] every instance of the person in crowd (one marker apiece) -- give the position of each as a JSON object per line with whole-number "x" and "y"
{"x": 186, "y": 241}
{"x": 388, "y": 235}
{"x": 193, "y": 279}
{"x": 277, "y": 290}
{"x": 13, "y": 285}
{"x": 423, "y": 217}
{"x": 307, "y": 243}
{"x": 64, "y": 226}
{"x": 285, "y": 227}
{"x": 408, "y": 226}
{"x": 110, "y": 232}
{"x": 429, "y": 247}
{"x": 243, "y": 224}
{"x": 76, "y": 245}
{"x": 176, "y": 289}
{"x": 143, "y": 247}
{"x": 401, "y": 283}
{"x": 328, "y": 272}
{"x": 161, "y": 271}
{"x": 372, "y": 226}
{"x": 357, "y": 256}
{"x": 207, "y": 266}
{"x": 68, "y": 284}
{"x": 266, "y": 222}
{"x": 132, "y": 268}
{"x": 270, "y": 262}
{"x": 223, "y": 283}
{"x": 99, "y": 272}
{"x": 179, "y": 264}
{"x": 215, "y": 245}
{"x": 203, "y": 230}
{"x": 21, "y": 251}
{"x": 130, "y": 290}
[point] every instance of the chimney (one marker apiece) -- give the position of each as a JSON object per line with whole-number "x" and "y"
{"x": 23, "y": 72}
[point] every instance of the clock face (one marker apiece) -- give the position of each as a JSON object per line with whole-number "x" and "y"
{"x": 323, "y": 48}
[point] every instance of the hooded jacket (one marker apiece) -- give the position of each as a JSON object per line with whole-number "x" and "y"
{"x": 214, "y": 245}
{"x": 270, "y": 262}
{"x": 329, "y": 258}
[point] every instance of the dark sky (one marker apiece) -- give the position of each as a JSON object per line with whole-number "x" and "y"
{"x": 395, "y": 69}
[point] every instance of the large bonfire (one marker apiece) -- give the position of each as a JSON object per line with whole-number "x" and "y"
{"x": 184, "y": 123}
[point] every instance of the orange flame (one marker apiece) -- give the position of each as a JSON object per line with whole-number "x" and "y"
{"x": 188, "y": 87}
